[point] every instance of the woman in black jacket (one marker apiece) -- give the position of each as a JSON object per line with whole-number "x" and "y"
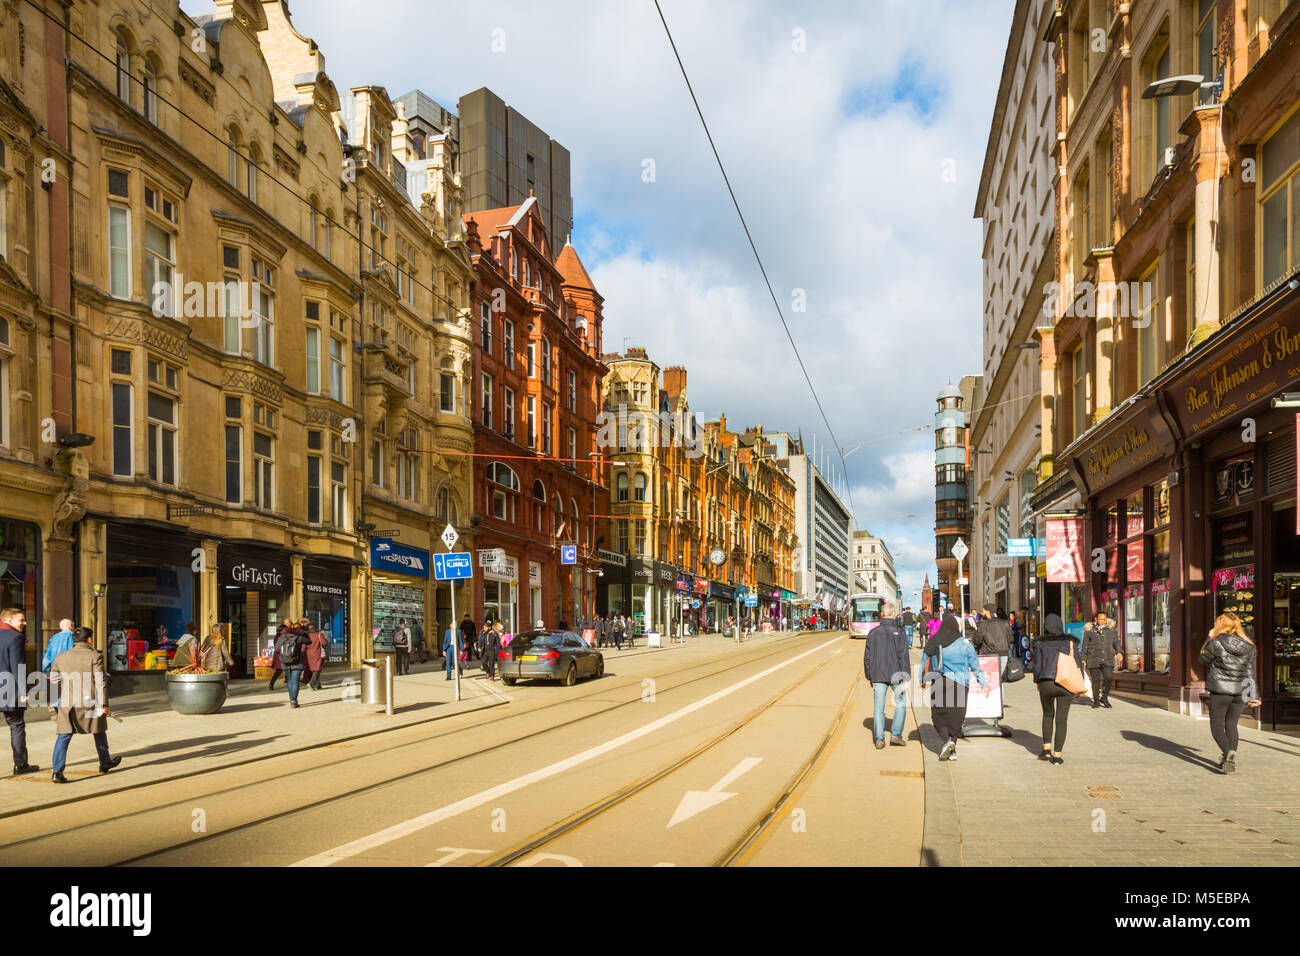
{"x": 1229, "y": 659}
{"x": 1044, "y": 658}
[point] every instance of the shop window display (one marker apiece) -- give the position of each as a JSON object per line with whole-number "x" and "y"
{"x": 149, "y": 606}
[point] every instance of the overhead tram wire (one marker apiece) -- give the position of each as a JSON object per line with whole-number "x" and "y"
{"x": 757, "y": 258}
{"x": 263, "y": 172}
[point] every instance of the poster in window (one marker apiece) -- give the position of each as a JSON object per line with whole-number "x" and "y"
{"x": 1064, "y": 550}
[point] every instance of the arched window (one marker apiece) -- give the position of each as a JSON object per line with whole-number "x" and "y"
{"x": 621, "y": 485}
{"x": 232, "y": 155}
{"x": 313, "y": 221}
{"x": 254, "y": 160}
{"x": 328, "y": 225}
{"x": 546, "y": 361}
{"x": 539, "y": 490}
{"x": 150, "y": 84}
{"x": 640, "y": 486}
{"x": 558, "y": 518}
{"x": 446, "y": 508}
{"x": 123, "y": 67}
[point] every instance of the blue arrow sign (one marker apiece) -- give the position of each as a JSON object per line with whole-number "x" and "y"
{"x": 569, "y": 554}
{"x": 751, "y": 600}
{"x": 452, "y": 567}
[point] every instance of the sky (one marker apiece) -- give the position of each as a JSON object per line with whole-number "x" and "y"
{"x": 853, "y": 135}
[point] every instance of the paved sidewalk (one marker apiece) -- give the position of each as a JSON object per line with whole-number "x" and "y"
{"x": 1139, "y": 787}
{"x": 157, "y": 744}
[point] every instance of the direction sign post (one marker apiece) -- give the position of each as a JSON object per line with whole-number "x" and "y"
{"x": 449, "y": 538}
{"x": 959, "y": 551}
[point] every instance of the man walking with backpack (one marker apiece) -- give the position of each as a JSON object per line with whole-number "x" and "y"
{"x": 289, "y": 651}
{"x": 402, "y": 644}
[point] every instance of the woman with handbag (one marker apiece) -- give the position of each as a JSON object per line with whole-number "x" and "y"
{"x": 951, "y": 667}
{"x": 1229, "y": 659}
{"x": 1057, "y": 667}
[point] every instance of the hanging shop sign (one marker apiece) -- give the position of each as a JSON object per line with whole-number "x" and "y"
{"x": 701, "y": 586}
{"x": 1232, "y": 482}
{"x": 1065, "y": 550}
{"x": 387, "y": 555}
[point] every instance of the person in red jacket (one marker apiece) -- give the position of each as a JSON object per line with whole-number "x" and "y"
{"x": 315, "y": 654}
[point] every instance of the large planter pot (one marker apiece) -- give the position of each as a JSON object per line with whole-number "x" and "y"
{"x": 197, "y": 693}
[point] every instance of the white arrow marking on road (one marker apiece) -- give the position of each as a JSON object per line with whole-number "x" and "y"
{"x": 453, "y": 853}
{"x": 697, "y": 801}
{"x": 415, "y": 824}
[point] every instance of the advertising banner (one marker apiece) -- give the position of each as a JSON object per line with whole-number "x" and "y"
{"x": 1065, "y": 550}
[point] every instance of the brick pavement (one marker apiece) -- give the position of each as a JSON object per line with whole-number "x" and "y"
{"x": 1139, "y": 787}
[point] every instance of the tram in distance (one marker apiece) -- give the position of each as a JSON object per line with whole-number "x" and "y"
{"x": 865, "y": 608}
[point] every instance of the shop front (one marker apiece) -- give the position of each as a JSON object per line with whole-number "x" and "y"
{"x": 399, "y": 590}
{"x": 20, "y": 578}
{"x": 686, "y": 614}
{"x": 326, "y": 589}
{"x": 664, "y": 595}
{"x": 500, "y": 594}
{"x": 722, "y": 599}
{"x": 256, "y": 586}
{"x": 153, "y": 580}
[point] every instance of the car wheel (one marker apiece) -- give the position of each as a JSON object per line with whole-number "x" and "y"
{"x": 600, "y": 667}
{"x": 571, "y": 675}
{"x": 508, "y": 681}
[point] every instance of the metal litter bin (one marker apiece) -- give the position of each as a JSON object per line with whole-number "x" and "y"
{"x": 374, "y": 689}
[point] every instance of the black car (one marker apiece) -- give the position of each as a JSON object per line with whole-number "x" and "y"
{"x": 549, "y": 654}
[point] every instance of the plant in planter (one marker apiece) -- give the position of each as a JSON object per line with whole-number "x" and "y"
{"x": 196, "y": 683}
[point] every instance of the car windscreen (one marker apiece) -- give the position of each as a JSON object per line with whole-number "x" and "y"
{"x": 537, "y": 640}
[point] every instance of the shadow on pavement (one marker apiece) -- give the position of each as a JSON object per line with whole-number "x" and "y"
{"x": 180, "y": 744}
{"x": 216, "y": 750}
{"x": 1166, "y": 746}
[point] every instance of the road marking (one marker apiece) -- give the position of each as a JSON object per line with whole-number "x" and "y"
{"x": 560, "y": 858}
{"x": 697, "y": 801}
{"x": 415, "y": 824}
{"x": 453, "y": 853}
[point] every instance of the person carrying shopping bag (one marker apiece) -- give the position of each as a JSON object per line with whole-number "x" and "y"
{"x": 951, "y": 668}
{"x": 1057, "y": 667}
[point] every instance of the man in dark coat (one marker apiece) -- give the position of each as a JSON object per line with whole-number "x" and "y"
{"x": 1101, "y": 649}
{"x": 886, "y": 665}
{"x": 909, "y": 623}
{"x": 993, "y": 636}
{"x": 83, "y": 702}
{"x": 468, "y": 635}
{"x": 293, "y": 671}
{"x": 13, "y": 684}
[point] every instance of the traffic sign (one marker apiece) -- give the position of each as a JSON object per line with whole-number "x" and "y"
{"x": 959, "y": 550}
{"x": 569, "y": 554}
{"x": 450, "y": 537}
{"x": 453, "y": 566}
{"x": 751, "y": 600}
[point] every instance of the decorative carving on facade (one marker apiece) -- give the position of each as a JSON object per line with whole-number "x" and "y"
{"x": 197, "y": 83}
{"x": 242, "y": 380}
{"x": 70, "y": 505}
{"x": 160, "y": 340}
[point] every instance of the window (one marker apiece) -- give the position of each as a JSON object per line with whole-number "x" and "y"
{"x": 1149, "y": 328}
{"x": 313, "y": 489}
{"x": 122, "y": 430}
{"x": 338, "y": 494}
{"x": 532, "y": 422}
{"x": 508, "y": 342}
{"x": 1159, "y": 114}
{"x": 162, "y": 438}
{"x": 622, "y": 536}
{"x": 234, "y": 465}
{"x": 485, "y": 322}
{"x": 1205, "y": 39}
{"x": 1080, "y": 392}
{"x": 254, "y": 159}
{"x": 546, "y": 428}
{"x": 532, "y": 359}
{"x": 620, "y": 483}
{"x": 123, "y": 70}
{"x": 119, "y": 236}
{"x": 640, "y": 488}
{"x": 546, "y": 362}
{"x": 378, "y": 463}
{"x": 263, "y": 312}
{"x": 446, "y": 509}
{"x": 313, "y": 360}
{"x": 508, "y": 413}
{"x": 408, "y": 466}
{"x": 263, "y": 470}
{"x": 338, "y": 369}
{"x": 159, "y": 265}
{"x": 573, "y": 450}
{"x": 514, "y": 264}
{"x": 573, "y": 391}
{"x": 232, "y": 156}
{"x": 447, "y": 392}
{"x": 150, "y": 85}
{"x": 4, "y": 382}
{"x": 503, "y": 480}
{"x": 1280, "y": 202}
{"x": 486, "y": 405}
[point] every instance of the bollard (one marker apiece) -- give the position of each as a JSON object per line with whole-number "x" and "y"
{"x": 388, "y": 684}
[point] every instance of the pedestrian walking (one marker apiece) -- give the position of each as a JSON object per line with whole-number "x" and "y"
{"x": 450, "y": 648}
{"x": 491, "y": 648}
{"x": 468, "y": 634}
{"x": 417, "y": 643}
{"x": 953, "y": 666}
{"x": 1229, "y": 660}
{"x": 1101, "y": 655}
{"x": 211, "y": 653}
{"x": 316, "y": 652}
{"x": 60, "y": 641}
{"x": 83, "y": 702}
{"x": 617, "y": 629}
{"x": 909, "y": 624}
{"x": 289, "y": 648}
{"x": 13, "y": 684}
{"x": 1046, "y": 665}
{"x": 402, "y": 644}
{"x": 885, "y": 663}
{"x": 993, "y": 636}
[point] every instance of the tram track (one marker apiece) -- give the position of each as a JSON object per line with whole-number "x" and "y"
{"x": 282, "y": 778}
{"x": 585, "y": 816}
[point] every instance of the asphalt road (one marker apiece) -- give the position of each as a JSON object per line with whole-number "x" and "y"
{"x": 757, "y": 754}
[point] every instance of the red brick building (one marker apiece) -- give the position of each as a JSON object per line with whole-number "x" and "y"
{"x": 537, "y": 375}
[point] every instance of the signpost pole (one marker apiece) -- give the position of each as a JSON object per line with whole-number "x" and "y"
{"x": 455, "y": 639}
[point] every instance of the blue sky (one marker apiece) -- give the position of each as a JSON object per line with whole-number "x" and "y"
{"x": 853, "y": 134}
